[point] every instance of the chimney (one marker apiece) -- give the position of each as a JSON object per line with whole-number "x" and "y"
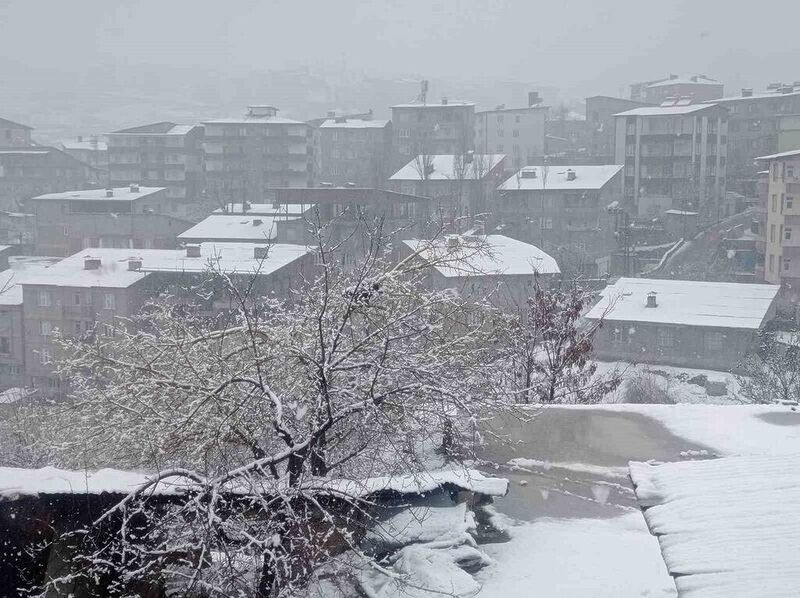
{"x": 134, "y": 264}
{"x": 571, "y": 174}
{"x": 134, "y": 188}
{"x": 651, "y": 299}
{"x": 528, "y": 173}
{"x": 260, "y": 253}
{"x": 453, "y": 242}
{"x": 109, "y": 192}
{"x": 257, "y": 222}
{"x": 444, "y": 101}
{"x": 747, "y": 92}
{"x": 91, "y": 263}
{"x": 192, "y": 251}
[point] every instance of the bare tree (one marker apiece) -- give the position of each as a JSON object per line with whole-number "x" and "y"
{"x": 771, "y": 375}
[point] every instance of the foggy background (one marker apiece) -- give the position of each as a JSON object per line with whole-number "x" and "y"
{"x": 69, "y": 68}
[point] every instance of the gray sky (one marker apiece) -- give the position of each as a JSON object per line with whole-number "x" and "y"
{"x": 581, "y": 46}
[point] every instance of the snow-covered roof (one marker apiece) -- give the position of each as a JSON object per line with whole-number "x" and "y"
{"x": 767, "y": 95}
{"x": 448, "y": 167}
{"x": 353, "y": 123}
{"x": 433, "y": 105}
{"x": 263, "y": 209}
{"x": 694, "y": 80}
{"x": 159, "y": 128}
{"x": 25, "y": 152}
{"x": 687, "y": 303}
{"x": 485, "y": 255}
{"x": 95, "y": 146}
{"x": 789, "y": 154}
{"x": 680, "y": 213}
{"x": 120, "y": 194}
{"x": 238, "y": 258}
{"x": 665, "y": 110}
{"x": 727, "y": 527}
{"x": 235, "y": 227}
{"x": 558, "y": 179}
{"x": 259, "y": 120}
{"x": 12, "y": 278}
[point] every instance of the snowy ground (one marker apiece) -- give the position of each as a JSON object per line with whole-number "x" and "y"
{"x": 579, "y": 531}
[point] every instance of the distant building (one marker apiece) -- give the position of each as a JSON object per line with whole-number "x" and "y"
{"x": 92, "y": 151}
{"x": 257, "y": 225}
{"x": 601, "y": 126}
{"x": 674, "y": 157}
{"x": 29, "y": 171}
{"x": 18, "y": 229}
{"x": 782, "y": 227}
{"x": 92, "y": 292}
{"x": 424, "y": 128}
{"x": 788, "y": 132}
{"x": 563, "y": 210}
{"x": 121, "y": 217}
{"x": 349, "y": 150}
{"x": 249, "y": 155}
{"x": 14, "y": 134}
{"x": 697, "y": 87}
{"x": 495, "y": 265}
{"x": 566, "y": 137}
{"x": 461, "y": 185}
{"x": 754, "y": 129}
{"x": 161, "y": 155}
{"x": 682, "y": 323}
{"x": 517, "y": 132}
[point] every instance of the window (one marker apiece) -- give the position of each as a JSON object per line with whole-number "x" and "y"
{"x": 46, "y": 356}
{"x": 109, "y": 301}
{"x": 665, "y": 338}
{"x": 790, "y": 171}
{"x": 517, "y": 118}
{"x": 45, "y": 327}
{"x": 403, "y": 133}
{"x": 771, "y": 262}
{"x": 713, "y": 341}
{"x": 500, "y": 132}
{"x": 771, "y": 233}
{"x": 787, "y": 233}
{"x": 774, "y": 202}
{"x": 617, "y": 335}
{"x": 546, "y": 223}
{"x": 45, "y": 299}
{"x": 108, "y": 330}
{"x": 499, "y": 118}
{"x": 787, "y": 263}
{"x": 515, "y": 133}
{"x": 76, "y": 299}
{"x": 5, "y": 344}
{"x": 77, "y": 327}
{"x": 500, "y": 148}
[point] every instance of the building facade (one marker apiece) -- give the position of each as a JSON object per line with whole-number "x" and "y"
{"x": 14, "y": 134}
{"x": 248, "y": 156}
{"x": 423, "y": 128}
{"x": 781, "y": 232}
{"x": 675, "y": 156}
{"x": 697, "y": 87}
{"x": 601, "y": 125}
{"x": 121, "y": 217}
{"x": 161, "y": 155}
{"x": 562, "y": 210}
{"x": 350, "y": 150}
{"x": 92, "y": 151}
{"x": 519, "y": 133}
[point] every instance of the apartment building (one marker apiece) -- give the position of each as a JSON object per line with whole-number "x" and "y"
{"x": 29, "y": 171}
{"x": 562, "y": 210}
{"x": 424, "y": 128}
{"x": 120, "y": 217}
{"x": 519, "y": 133}
{"x": 162, "y": 154}
{"x": 601, "y": 125}
{"x": 14, "y": 134}
{"x": 353, "y": 150}
{"x": 754, "y": 129}
{"x": 782, "y": 227}
{"x": 90, "y": 150}
{"x": 248, "y": 156}
{"x": 91, "y": 293}
{"x": 675, "y": 156}
{"x": 698, "y": 87}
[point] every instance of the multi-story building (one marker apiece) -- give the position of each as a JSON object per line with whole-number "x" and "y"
{"x": 788, "y": 132}
{"x": 120, "y": 217}
{"x": 698, "y": 87}
{"x": 754, "y": 129}
{"x": 165, "y": 155}
{"x": 601, "y": 125}
{"x": 247, "y": 156}
{"x": 562, "y": 210}
{"x": 353, "y": 150}
{"x": 92, "y": 151}
{"x": 423, "y": 128}
{"x": 94, "y": 291}
{"x": 29, "y": 171}
{"x": 461, "y": 186}
{"x": 782, "y": 227}
{"x": 516, "y": 132}
{"x": 674, "y": 156}
{"x": 14, "y": 134}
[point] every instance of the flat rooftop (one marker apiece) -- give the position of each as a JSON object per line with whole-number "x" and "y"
{"x": 433, "y": 105}
{"x": 781, "y": 155}
{"x": 447, "y": 167}
{"x": 263, "y": 209}
{"x": 666, "y": 110}
{"x": 557, "y": 178}
{"x": 120, "y": 194}
{"x": 231, "y": 258}
{"x": 353, "y": 123}
{"x": 483, "y": 255}
{"x": 236, "y": 227}
{"x": 686, "y": 303}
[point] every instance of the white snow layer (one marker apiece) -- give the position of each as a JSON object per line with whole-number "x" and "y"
{"x": 727, "y": 527}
